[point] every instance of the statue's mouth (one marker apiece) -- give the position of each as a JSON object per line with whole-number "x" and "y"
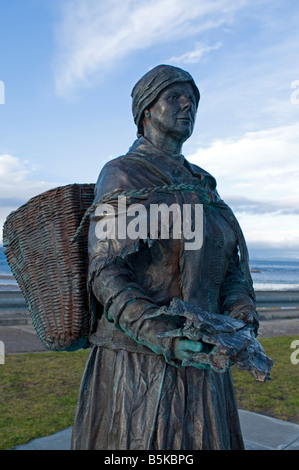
{"x": 185, "y": 119}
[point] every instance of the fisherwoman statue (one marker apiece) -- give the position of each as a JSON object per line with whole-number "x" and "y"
{"x": 147, "y": 384}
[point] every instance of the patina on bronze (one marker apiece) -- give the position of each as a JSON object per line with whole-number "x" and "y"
{"x": 158, "y": 374}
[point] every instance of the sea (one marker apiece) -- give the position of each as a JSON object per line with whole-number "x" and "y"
{"x": 268, "y": 274}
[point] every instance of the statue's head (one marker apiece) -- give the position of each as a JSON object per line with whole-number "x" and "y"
{"x": 150, "y": 87}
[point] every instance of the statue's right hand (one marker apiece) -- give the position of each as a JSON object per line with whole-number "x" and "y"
{"x": 184, "y": 349}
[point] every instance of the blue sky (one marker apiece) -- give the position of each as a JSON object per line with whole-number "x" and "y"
{"x": 68, "y": 68}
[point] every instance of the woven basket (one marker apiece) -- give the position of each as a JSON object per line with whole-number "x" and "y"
{"x": 50, "y": 270}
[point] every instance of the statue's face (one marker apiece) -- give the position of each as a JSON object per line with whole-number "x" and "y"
{"x": 175, "y": 110}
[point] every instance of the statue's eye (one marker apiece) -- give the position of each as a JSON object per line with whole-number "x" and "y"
{"x": 173, "y": 97}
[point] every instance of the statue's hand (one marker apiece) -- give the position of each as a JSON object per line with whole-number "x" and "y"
{"x": 184, "y": 349}
{"x": 250, "y": 317}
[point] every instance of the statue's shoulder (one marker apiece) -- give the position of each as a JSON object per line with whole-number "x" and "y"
{"x": 120, "y": 173}
{"x": 203, "y": 174}
{"x": 197, "y": 169}
{"x": 120, "y": 163}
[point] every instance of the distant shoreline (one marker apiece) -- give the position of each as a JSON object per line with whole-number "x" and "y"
{"x": 268, "y": 296}
{"x": 257, "y": 287}
{"x": 264, "y": 298}
{"x": 6, "y": 276}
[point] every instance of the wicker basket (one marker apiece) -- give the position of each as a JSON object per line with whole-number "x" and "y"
{"x": 50, "y": 270}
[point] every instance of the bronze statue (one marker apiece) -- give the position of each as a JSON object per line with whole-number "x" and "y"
{"x": 148, "y": 383}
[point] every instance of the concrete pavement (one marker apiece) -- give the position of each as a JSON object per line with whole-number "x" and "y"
{"x": 259, "y": 433}
{"x": 23, "y": 338}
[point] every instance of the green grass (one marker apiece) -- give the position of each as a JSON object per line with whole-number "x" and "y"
{"x": 278, "y": 397}
{"x": 38, "y": 391}
{"x": 38, "y": 394}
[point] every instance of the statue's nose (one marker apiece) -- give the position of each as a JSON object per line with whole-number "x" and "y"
{"x": 186, "y": 102}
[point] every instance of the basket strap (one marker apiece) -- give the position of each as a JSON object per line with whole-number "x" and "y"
{"x": 143, "y": 192}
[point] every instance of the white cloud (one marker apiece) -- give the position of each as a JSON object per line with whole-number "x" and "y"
{"x": 262, "y": 164}
{"x": 258, "y": 175}
{"x": 16, "y": 187}
{"x": 272, "y": 230}
{"x": 15, "y": 179}
{"x": 93, "y": 36}
{"x": 194, "y": 56}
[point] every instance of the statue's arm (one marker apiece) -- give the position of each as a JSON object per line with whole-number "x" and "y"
{"x": 133, "y": 312}
{"x": 236, "y": 294}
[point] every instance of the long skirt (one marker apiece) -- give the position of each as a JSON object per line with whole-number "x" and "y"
{"x": 135, "y": 401}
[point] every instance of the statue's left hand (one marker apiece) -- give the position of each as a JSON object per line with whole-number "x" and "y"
{"x": 250, "y": 317}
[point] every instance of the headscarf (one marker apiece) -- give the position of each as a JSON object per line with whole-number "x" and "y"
{"x": 151, "y": 84}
